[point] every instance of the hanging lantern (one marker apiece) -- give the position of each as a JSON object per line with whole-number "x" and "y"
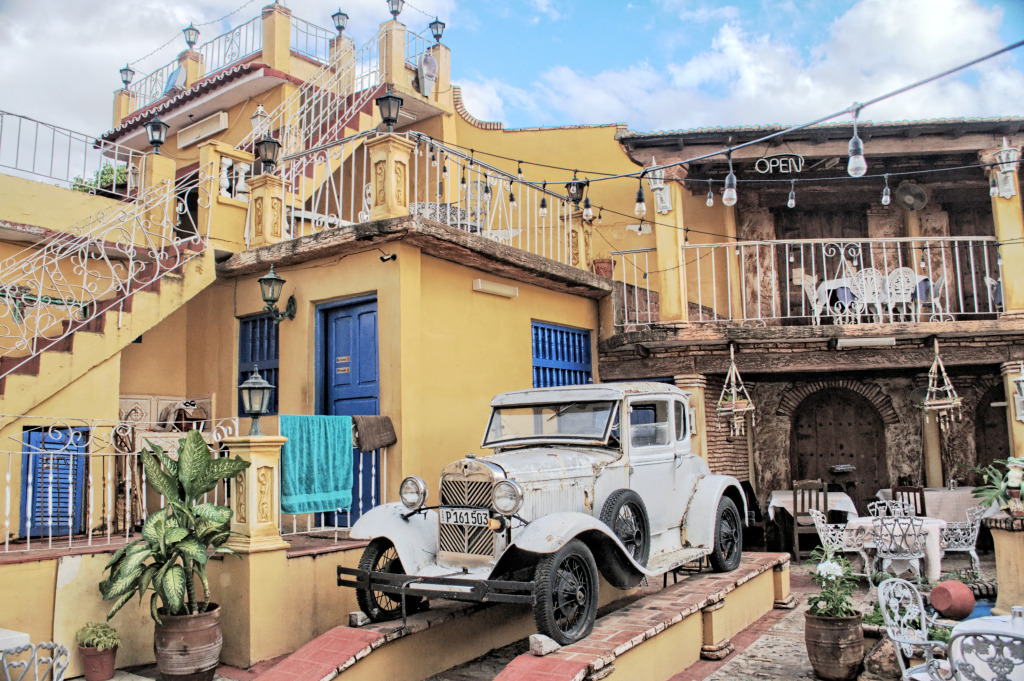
{"x": 942, "y": 401}
{"x": 734, "y": 403}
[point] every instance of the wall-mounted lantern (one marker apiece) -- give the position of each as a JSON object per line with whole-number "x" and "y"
{"x": 271, "y": 286}
{"x": 127, "y": 73}
{"x": 156, "y": 130}
{"x": 340, "y": 21}
{"x": 255, "y": 399}
{"x": 191, "y": 35}
{"x": 437, "y": 29}
{"x": 267, "y": 151}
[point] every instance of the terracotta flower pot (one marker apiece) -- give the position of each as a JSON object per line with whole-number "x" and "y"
{"x": 97, "y": 665}
{"x": 187, "y": 647}
{"x": 835, "y": 646}
{"x": 1015, "y": 508}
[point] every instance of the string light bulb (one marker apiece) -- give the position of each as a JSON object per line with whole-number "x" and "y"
{"x": 511, "y": 200}
{"x": 588, "y": 212}
{"x": 600, "y": 213}
{"x": 886, "y": 196}
{"x": 791, "y": 256}
{"x": 791, "y": 203}
{"x": 729, "y": 195}
{"x": 924, "y": 262}
{"x": 711, "y": 196}
{"x": 543, "y": 210}
{"x": 444, "y": 167}
{"x": 433, "y": 156}
{"x": 856, "y": 166}
{"x": 640, "y": 209}
{"x": 993, "y": 188}
{"x": 520, "y": 171}
{"x": 487, "y": 184}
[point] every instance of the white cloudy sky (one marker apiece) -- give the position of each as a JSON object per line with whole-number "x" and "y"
{"x": 653, "y": 64}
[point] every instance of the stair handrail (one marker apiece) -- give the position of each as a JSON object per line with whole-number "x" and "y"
{"x": 50, "y": 290}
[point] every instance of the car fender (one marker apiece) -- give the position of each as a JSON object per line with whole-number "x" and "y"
{"x": 551, "y": 532}
{"x": 414, "y": 537}
{"x": 700, "y": 519}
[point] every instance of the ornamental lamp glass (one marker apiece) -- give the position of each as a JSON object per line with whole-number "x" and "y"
{"x": 389, "y": 105}
{"x": 255, "y": 399}
{"x": 127, "y": 73}
{"x": 267, "y": 151}
{"x": 271, "y": 286}
{"x": 437, "y": 29}
{"x": 259, "y": 121}
{"x": 340, "y": 21}
{"x": 156, "y": 131}
{"x": 574, "y": 189}
{"x": 395, "y": 7}
{"x": 191, "y": 35}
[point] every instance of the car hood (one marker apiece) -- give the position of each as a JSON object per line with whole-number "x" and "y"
{"x": 534, "y": 464}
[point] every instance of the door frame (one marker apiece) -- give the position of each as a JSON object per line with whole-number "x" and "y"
{"x": 320, "y": 346}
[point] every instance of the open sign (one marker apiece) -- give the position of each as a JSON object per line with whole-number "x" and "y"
{"x": 780, "y": 163}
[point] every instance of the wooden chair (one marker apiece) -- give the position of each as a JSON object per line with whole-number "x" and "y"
{"x": 807, "y": 495}
{"x": 913, "y": 496}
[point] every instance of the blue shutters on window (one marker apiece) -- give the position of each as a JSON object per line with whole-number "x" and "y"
{"x": 257, "y": 346}
{"x": 53, "y": 481}
{"x": 561, "y": 356}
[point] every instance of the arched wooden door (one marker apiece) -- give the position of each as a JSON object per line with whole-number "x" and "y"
{"x": 991, "y": 437}
{"x": 834, "y": 427}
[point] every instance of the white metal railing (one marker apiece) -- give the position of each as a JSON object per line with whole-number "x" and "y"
{"x": 53, "y": 287}
{"x": 72, "y": 159}
{"x": 72, "y": 482}
{"x": 151, "y": 87}
{"x": 844, "y": 281}
{"x": 369, "y": 477}
{"x": 316, "y": 114}
{"x": 311, "y": 40}
{"x": 415, "y": 46}
{"x": 630, "y": 270}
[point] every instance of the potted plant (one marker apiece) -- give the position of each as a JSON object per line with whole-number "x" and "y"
{"x": 176, "y": 543}
{"x": 1003, "y": 489}
{"x": 97, "y": 644}
{"x": 832, "y": 628}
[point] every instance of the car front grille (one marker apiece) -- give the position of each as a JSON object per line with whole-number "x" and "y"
{"x": 477, "y": 541}
{"x": 469, "y": 493}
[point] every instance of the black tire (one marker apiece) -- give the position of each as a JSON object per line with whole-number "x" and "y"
{"x": 624, "y": 511}
{"x": 728, "y": 537}
{"x": 381, "y": 556}
{"x": 567, "y": 586}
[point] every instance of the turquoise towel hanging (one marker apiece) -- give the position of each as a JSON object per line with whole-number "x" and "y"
{"x": 316, "y": 463}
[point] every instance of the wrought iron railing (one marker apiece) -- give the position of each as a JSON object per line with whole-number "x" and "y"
{"x": 415, "y": 46}
{"x": 311, "y": 40}
{"x": 54, "y": 287}
{"x": 368, "y": 474}
{"x": 71, "y": 159}
{"x": 630, "y": 269}
{"x": 844, "y": 281}
{"x": 71, "y": 482}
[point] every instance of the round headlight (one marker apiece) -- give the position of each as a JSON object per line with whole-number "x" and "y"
{"x": 508, "y": 497}
{"x": 413, "y": 492}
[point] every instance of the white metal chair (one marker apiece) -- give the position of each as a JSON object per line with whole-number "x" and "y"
{"x": 838, "y": 537}
{"x": 881, "y": 509}
{"x": 900, "y": 288}
{"x": 936, "y": 294}
{"x": 995, "y": 294}
{"x": 898, "y": 538}
{"x": 963, "y": 537}
{"x": 991, "y": 655}
{"x": 906, "y": 624}
{"x": 868, "y": 286}
{"x": 47, "y": 661}
{"x": 810, "y": 287}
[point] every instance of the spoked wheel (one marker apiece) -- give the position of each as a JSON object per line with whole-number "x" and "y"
{"x": 381, "y": 556}
{"x": 626, "y": 514}
{"x": 566, "y": 593}
{"x": 728, "y": 537}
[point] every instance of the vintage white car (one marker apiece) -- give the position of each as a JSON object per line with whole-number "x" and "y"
{"x": 582, "y": 479}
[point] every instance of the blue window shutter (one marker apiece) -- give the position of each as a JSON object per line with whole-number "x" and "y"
{"x": 257, "y": 347}
{"x": 55, "y": 458}
{"x": 561, "y": 356}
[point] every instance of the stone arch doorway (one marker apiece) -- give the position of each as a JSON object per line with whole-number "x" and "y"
{"x": 835, "y": 426}
{"x": 991, "y": 437}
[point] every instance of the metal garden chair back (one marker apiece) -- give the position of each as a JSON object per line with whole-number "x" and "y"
{"x": 906, "y": 624}
{"x": 964, "y": 536}
{"x": 811, "y": 291}
{"x": 46, "y": 661}
{"x": 900, "y": 288}
{"x": 881, "y": 509}
{"x": 837, "y": 537}
{"x": 807, "y": 495}
{"x": 868, "y": 285}
{"x": 912, "y": 495}
{"x": 986, "y": 655}
{"x": 898, "y": 539}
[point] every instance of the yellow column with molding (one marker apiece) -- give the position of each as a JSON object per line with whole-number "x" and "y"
{"x": 389, "y": 169}
{"x": 1006, "y": 212}
{"x": 277, "y": 34}
{"x": 695, "y": 385}
{"x": 124, "y": 104}
{"x": 393, "y": 55}
{"x": 255, "y": 493}
{"x": 735, "y": 266}
{"x": 669, "y": 241}
{"x": 267, "y": 217}
{"x": 1010, "y": 371}
{"x": 158, "y": 171}
{"x": 442, "y": 94}
{"x": 192, "y": 62}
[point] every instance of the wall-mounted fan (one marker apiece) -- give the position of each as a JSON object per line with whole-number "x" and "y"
{"x": 911, "y": 196}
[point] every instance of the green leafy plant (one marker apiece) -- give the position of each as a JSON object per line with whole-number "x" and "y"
{"x": 103, "y": 178}
{"x": 98, "y": 635}
{"x": 996, "y": 484}
{"x": 176, "y": 540}
{"x": 875, "y": 618}
{"x": 835, "y": 577}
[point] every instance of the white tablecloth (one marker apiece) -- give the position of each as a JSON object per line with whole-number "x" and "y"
{"x": 932, "y": 545}
{"x": 949, "y": 504}
{"x": 783, "y": 498}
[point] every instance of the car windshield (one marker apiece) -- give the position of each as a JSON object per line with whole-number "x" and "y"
{"x": 561, "y": 421}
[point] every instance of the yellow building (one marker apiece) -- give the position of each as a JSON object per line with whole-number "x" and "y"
{"x": 430, "y": 269}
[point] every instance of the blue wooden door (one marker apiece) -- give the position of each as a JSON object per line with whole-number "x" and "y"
{"x": 351, "y": 387}
{"x": 53, "y": 481}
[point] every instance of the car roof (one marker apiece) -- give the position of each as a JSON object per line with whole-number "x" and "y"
{"x": 587, "y": 393}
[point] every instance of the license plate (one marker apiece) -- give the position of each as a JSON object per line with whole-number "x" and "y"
{"x": 474, "y": 517}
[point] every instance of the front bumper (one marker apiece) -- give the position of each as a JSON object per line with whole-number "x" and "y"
{"x": 452, "y": 588}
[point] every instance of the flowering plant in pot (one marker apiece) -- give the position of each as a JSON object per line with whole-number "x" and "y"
{"x": 97, "y": 644}
{"x": 173, "y": 552}
{"x": 832, "y": 628}
{"x": 1004, "y": 489}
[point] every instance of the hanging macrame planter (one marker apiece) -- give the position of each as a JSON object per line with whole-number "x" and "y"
{"x": 734, "y": 403}
{"x": 942, "y": 400}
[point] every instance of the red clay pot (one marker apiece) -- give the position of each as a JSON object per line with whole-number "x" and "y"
{"x": 835, "y": 646}
{"x": 97, "y": 665}
{"x": 952, "y": 599}
{"x": 187, "y": 647}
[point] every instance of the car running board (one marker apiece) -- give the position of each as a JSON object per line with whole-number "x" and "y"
{"x": 667, "y": 562}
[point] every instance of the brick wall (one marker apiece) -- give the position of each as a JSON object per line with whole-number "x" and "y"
{"x": 726, "y": 454}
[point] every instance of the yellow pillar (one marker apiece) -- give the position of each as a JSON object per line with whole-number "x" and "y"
{"x": 124, "y": 104}
{"x": 341, "y": 50}
{"x": 1008, "y": 540}
{"x": 695, "y": 385}
{"x": 669, "y": 242}
{"x": 192, "y": 62}
{"x": 1006, "y": 212}
{"x": 267, "y": 217}
{"x": 442, "y": 94}
{"x": 735, "y": 265}
{"x": 277, "y": 33}
{"x": 255, "y": 493}
{"x": 393, "y": 55}
{"x": 780, "y": 582}
{"x": 1010, "y": 371}
{"x": 932, "y": 445}
{"x": 161, "y": 217}
{"x": 389, "y": 163}
{"x": 715, "y": 629}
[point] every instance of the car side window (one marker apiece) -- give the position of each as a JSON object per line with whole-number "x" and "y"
{"x": 648, "y": 424}
{"x": 682, "y": 431}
